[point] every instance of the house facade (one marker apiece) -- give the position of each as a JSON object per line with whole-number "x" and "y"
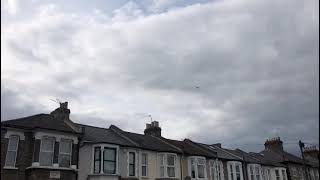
{"x": 51, "y": 146}
{"x": 42, "y": 146}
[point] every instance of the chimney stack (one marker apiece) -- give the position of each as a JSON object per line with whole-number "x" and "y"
{"x": 274, "y": 144}
{"x": 311, "y": 152}
{"x": 153, "y": 129}
{"x": 62, "y": 112}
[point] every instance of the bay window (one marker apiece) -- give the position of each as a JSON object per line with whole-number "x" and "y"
{"x": 280, "y": 173}
{"x": 234, "y": 170}
{"x": 216, "y": 170}
{"x": 105, "y": 159}
{"x": 197, "y": 167}
{"x": 46, "y": 151}
{"x": 65, "y": 151}
{"x": 109, "y": 160}
{"x": 254, "y": 171}
{"x": 266, "y": 173}
{"x": 12, "y": 151}
{"x": 167, "y": 164}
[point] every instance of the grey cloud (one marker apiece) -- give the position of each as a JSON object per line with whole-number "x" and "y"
{"x": 255, "y": 64}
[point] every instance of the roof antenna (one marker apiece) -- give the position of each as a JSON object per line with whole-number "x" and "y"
{"x": 150, "y": 117}
{"x": 56, "y": 101}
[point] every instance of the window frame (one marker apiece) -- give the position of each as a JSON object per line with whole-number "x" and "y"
{"x": 254, "y": 174}
{"x": 144, "y": 165}
{"x": 103, "y": 159}
{"x": 233, "y": 165}
{"x": 102, "y": 146}
{"x": 53, "y": 147}
{"x": 216, "y": 166}
{"x": 195, "y": 165}
{"x": 16, "y": 152}
{"x": 63, "y": 153}
{"x": 280, "y": 170}
{"x": 165, "y": 164}
{"x": 134, "y": 164}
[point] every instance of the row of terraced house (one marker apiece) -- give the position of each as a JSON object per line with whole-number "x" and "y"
{"x": 51, "y": 146}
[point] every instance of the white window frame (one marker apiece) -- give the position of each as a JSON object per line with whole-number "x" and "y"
{"x": 15, "y": 150}
{"x": 196, "y": 158}
{"x": 63, "y": 153}
{"x": 102, "y": 146}
{"x": 165, "y": 164}
{"x": 234, "y": 164}
{"x": 135, "y": 161}
{"x": 144, "y": 165}
{"x": 217, "y": 167}
{"x": 280, "y": 173}
{"x": 254, "y": 166}
{"x": 41, "y": 150}
{"x": 266, "y": 173}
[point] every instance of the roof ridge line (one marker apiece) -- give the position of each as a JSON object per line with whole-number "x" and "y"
{"x": 200, "y": 148}
{"x": 122, "y": 135}
{"x": 169, "y": 144}
{"x": 226, "y": 151}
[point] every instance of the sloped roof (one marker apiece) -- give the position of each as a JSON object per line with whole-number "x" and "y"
{"x": 245, "y": 156}
{"x": 147, "y": 141}
{"x": 43, "y": 121}
{"x": 103, "y": 135}
{"x": 281, "y": 156}
{"x": 221, "y": 153}
{"x": 191, "y": 149}
{"x": 265, "y": 161}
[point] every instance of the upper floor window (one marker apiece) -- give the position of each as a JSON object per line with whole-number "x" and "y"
{"x": 144, "y": 164}
{"x": 105, "y": 159}
{"x": 216, "y": 170}
{"x": 65, "y": 151}
{"x": 167, "y": 165}
{"x": 198, "y": 167}
{"x": 234, "y": 170}
{"x": 12, "y": 151}
{"x": 46, "y": 151}
{"x": 132, "y": 164}
{"x": 254, "y": 171}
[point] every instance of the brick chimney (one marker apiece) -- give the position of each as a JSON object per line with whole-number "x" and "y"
{"x": 153, "y": 129}
{"x": 311, "y": 151}
{"x": 274, "y": 144}
{"x": 62, "y": 112}
{"x": 217, "y": 144}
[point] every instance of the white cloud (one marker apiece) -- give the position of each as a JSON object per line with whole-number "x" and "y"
{"x": 253, "y": 60}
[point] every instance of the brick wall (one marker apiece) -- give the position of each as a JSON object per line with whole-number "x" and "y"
{"x": 44, "y": 174}
{"x": 24, "y": 157}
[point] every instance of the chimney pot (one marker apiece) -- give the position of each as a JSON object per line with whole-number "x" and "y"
{"x": 153, "y": 129}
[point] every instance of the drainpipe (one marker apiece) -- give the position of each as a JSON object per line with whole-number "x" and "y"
{"x": 181, "y": 168}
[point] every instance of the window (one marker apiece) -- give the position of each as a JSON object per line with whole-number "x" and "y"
{"x": 109, "y": 160}
{"x": 132, "y": 163}
{"x": 144, "y": 164}
{"x": 277, "y": 174}
{"x": 12, "y": 151}
{"x": 97, "y": 159}
{"x": 266, "y": 173}
{"x": 197, "y": 167}
{"x": 167, "y": 163}
{"x": 65, "y": 151}
{"x": 254, "y": 171}
{"x": 234, "y": 170}
{"x": 105, "y": 159}
{"x": 46, "y": 151}
{"x": 216, "y": 170}
{"x": 171, "y": 165}
{"x": 284, "y": 174}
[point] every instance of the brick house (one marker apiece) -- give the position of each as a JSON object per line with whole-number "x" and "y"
{"x": 294, "y": 165}
{"x": 41, "y": 146}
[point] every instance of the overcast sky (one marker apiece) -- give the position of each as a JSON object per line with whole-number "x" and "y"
{"x": 115, "y": 62}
